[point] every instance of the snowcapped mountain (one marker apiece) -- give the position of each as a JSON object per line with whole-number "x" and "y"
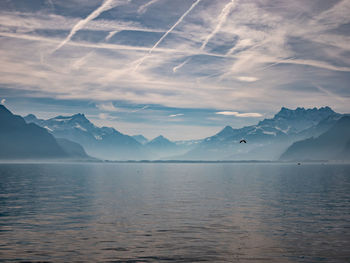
{"x": 20, "y": 140}
{"x": 101, "y": 142}
{"x": 268, "y": 139}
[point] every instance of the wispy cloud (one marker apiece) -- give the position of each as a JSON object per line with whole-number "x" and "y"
{"x": 221, "y": 20}
{"x": 111, "y": 34}
{"x": 106, "y": 5}
{"x": 247, "y": 79}
{"x": 142, "y": 9}
{"x": 103, "y": 116}
{"x": 240, "y": 115}
{"x": 167, "y": 33}
{"x": 261, "y": 55}
{"x": 176, "y": 115}
{"x": 140, "y": 109}
{"x": 107, "y": 107}
{"x": 176, "y": 68}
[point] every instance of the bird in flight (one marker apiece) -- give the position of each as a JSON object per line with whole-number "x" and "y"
{"x": 244, "y": 141}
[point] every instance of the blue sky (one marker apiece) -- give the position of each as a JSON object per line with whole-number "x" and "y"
{"x": 181, "y": 68}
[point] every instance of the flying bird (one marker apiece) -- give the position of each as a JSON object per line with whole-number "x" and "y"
{"x": 244, "y": 141}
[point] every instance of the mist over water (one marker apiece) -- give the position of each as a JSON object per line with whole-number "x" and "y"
{"x": 175, "y": 212}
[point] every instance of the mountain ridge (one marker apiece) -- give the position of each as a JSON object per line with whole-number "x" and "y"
{"x": 100, "y": 142}
{"x": 267, "y": 139}
{"x": 20, "y": 140}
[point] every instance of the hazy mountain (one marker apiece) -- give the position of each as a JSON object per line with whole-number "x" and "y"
{"x": 140, "y": 138}
{"x": 104, "y": 142}
{"x": 266, "y": 140}
{"x": 331, "y": 145}
{"x": 19, "y": 140}
{"x": 161, "y": 147}
{"x": 73, "y": 149}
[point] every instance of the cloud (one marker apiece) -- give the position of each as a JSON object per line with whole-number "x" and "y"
{"x": 286, "y": 49}
{"x": 168, "y": 32}
{"x": 175, "y": 115}
{"x": 176, "y": 68}
{"x": 221, "y": 20}
{"x": 103, "y": 116}
{"x": 3, "y": 101}
{"x": 111, "y": 34}
{"x": 247, "y": 79}
{"x": 142, "y": 9}
{"x": 140, "y": 109}
{"x": 107, "y": 107}
{"x": 107, "y": 5}
{"x": 240, "y": 115}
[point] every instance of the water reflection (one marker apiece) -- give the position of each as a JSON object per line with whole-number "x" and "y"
{"x": 174, "y": 212}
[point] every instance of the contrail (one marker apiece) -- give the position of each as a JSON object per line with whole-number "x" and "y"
{"x": 181, "y": 65}
{"x": 167, "y": 33}
{"x": 111, "y": 34}
{"x": 222, "y": 18}
{"x": 143, "y": 8}
{"x": 140, "y": 109}
{"x": 107, "y": 4}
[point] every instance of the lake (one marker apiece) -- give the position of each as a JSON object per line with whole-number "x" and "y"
{"x": 149, "y": 212}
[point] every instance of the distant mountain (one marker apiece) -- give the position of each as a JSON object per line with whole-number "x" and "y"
{"x": 140, "y": 138}
{"x": 161, "y": 147}
{"x": 331, "y": 145}
{"x": 104, "y": 142}
{"x": 19, "y": 140}
{"x": 73, "y": 149}
{"x": 266, "y": 140}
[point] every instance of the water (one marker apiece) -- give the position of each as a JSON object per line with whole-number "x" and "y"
{"x": 175, "y": 212}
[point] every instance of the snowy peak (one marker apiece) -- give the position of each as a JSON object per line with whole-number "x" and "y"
{"x": 80, "y": 118}
{"x": 300, "y": 112}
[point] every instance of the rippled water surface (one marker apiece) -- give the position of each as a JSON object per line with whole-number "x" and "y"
{"x": 175, "y": 212}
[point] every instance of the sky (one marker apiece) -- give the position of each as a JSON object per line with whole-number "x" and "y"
{"x": 180, "y": 68}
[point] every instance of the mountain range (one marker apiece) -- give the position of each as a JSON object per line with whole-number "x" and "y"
{"x": 19, "y": 140}
{"x": 100, "y": 142}
{"x": 268, "y": 139}
{"x": 331, "y": 145}
{"x": 286, "y": 136}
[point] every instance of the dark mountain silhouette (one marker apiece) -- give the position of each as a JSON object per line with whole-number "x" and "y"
{"x": 331, "y": 145}
{"x": 20, "y": 140}
{"x": 100, "y": 142}
{"x": 73, "y": 149}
